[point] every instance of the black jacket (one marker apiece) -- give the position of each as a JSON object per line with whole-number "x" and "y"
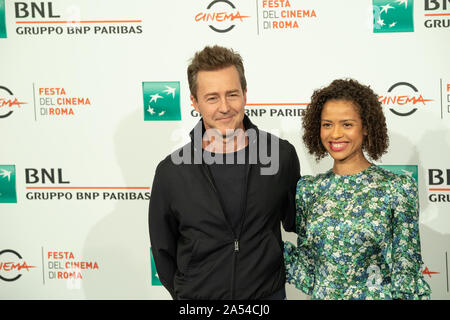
{"x": 197, "y": 254}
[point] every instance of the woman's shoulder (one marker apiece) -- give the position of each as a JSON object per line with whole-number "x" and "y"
{"x": 309, "y": 181}
{"x": 396, "y": 180}
{"x": 395, "y": 184}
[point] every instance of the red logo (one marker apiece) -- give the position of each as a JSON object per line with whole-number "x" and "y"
{"x": 405, "y": 100}
{"x": 221, "y": 18}
{"x": 7, "y": 103}
{"x": 428, "y": 272}
{"x": 10, "y": 268}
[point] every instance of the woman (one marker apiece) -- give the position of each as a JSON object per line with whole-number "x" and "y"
{"x": 357, "y": 224}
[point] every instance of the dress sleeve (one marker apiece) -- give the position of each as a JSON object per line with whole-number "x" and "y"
{"x": 298, "y": 259}
{"x": 403, "y": 256}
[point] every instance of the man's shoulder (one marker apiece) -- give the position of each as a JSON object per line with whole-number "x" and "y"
{"x": 171, "y": 160}
{"x": 282, "y": 142}
{"x": 286, "y": 149}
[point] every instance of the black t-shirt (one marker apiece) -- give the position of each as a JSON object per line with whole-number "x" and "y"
{"x": 229, "y": 175}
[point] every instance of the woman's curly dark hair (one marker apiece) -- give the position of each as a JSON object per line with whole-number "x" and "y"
{"x": 376, "y": 142}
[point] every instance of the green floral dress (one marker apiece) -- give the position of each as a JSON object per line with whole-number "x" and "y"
{"x": 358, "y": 237}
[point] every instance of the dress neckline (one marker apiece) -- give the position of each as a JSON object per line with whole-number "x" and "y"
{"x": 352, "y": 176}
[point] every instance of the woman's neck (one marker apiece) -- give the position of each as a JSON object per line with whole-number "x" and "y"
{"x": 350, "y": 166}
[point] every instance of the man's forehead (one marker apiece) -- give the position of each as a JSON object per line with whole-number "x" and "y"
{"x": 218, "y": 82}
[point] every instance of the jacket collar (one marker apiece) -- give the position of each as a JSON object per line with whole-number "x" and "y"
{"x": 200, "y": 129}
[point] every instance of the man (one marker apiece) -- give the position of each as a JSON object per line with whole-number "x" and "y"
{"x": 216, "y": 204}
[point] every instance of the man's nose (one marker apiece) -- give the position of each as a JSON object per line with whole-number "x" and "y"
{"x": 224, "y": 106}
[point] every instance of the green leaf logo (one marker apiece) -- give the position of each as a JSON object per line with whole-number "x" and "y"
{"x": 393, "y": 16}
{"x": 161, "y": 101}
{"x": 2, "y": 19}
{"x": 155, "y": 279}
{"x": 8, "y": 184}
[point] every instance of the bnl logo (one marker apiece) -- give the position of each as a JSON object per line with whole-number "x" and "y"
{"x": 2, "y": 19}
{"x": 161, "y": 101}
{"x": 393, "y": 16}
{"x": 155, "y": 278}
{"x": 8, "y": 184}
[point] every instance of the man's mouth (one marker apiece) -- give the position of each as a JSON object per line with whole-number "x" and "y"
{"x": 225, "y": 118}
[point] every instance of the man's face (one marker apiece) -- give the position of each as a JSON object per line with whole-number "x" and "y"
{"x": 220, "y": 100}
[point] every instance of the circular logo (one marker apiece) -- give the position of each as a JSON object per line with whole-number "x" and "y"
{"x": 231, "y": 5}
{"x": 403, "y": 99}
{"x": 3, "y": 103}
{"x": 7, "y": 102}
{"x": 11, "y": 265}
{"x": 220, "y": 15}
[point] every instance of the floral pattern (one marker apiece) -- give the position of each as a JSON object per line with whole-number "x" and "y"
{"x": 358, "y": 237}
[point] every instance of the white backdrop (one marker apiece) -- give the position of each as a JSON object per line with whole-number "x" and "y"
{"x": 104, "y": 145}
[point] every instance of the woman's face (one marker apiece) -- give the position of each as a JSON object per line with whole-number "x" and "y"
{"x": 341, "y": 130}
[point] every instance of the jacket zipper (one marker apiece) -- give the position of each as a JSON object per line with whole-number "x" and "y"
{"x": 244, "y": 209}
{"x": 236, "y": 239}
{"x": 233, "y": 270}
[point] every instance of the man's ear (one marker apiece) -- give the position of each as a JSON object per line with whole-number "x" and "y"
{"x": 195, "y": 103}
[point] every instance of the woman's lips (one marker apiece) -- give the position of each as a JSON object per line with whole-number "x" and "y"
{"x": 338, "y": 146}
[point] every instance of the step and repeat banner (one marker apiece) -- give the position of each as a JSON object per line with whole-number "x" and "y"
{"x": 82, "y": 132}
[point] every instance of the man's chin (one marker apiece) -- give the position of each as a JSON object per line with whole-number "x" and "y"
{"x": 225, "y": 130}
{"x": 229, "y": 132}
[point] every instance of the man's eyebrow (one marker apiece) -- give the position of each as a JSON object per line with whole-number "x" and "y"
{"x": 216, "y": 93}
{"x": 210, "y": 94}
